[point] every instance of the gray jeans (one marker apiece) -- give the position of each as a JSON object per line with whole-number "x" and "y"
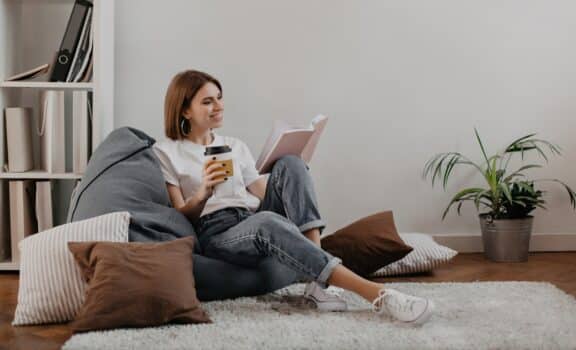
{"x": 289, "y": 208}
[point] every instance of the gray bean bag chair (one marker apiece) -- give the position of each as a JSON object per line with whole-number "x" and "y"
{"x": 124, "y": 174}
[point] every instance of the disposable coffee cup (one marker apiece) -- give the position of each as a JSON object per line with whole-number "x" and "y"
{"x": 222, "y": 155}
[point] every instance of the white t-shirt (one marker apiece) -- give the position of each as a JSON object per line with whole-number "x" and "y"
{"x": 182, "y": 163}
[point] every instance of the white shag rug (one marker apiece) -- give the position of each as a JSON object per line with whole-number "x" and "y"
{"x": 479, "y": 315}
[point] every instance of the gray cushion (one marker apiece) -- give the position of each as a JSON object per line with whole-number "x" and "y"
{"x": 124, "y": 175}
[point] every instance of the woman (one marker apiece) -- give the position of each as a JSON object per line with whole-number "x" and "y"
{"x": 268, "y": 216}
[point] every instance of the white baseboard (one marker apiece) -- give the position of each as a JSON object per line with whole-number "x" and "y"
{"x": 539, "y": 242}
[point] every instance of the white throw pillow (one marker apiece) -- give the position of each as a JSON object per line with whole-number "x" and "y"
{"x": 51, "y": 287}
{"x": 427, "y": 255}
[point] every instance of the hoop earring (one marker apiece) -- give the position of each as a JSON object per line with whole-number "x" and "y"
{"x": 183, "y": 127}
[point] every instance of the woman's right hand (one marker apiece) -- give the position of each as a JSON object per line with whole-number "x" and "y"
{"x": 212, "y": 175}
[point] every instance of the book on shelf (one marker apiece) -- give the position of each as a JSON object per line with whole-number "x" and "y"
{"x": 5, "y": 249}
{"x": 81, "y": 130}
{"x": 70, "y": 41}
{"x": 31, "y": 73}
{"x": 87, "y": 75}
{"x": 44, "y": 212}
{"x": 22, "y": 218}
{"x": 51, "y": 130}
{"x": 83, "y": 50}
{"x": 287, "y": 139}
{"x": 18, "y": 122}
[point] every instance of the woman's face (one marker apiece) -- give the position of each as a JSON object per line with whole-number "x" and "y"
{"x": 206, "y": 108}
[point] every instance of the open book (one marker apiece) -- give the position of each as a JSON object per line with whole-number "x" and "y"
{"x": 286, "y": 139}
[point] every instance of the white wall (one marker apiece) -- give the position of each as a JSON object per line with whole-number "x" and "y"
{"x": 400, "y": 80}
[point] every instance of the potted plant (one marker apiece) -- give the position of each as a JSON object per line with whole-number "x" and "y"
{"x": 509, "y": 197}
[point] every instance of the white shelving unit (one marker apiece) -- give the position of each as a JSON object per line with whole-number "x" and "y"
{"x": 39, "y": 175}
{"x": 30, "y": 34}
{"x": 46, "y": 85}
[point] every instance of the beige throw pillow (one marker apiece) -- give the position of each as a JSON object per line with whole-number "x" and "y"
{"x": 426, "y": 256}
{"x": 51, "y": 287}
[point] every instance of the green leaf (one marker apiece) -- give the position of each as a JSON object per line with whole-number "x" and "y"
{"x": 438, "y": 169}
{"x": 571, "y": 193}
{"x": 518, "y": 172}
{"x": 485, "y": 194}
{"x": 429, "y": 164}
{"x": 542, "y": 153}
{"x": 525, "y": 186}
{"x": 520, "y": 148}
{"x": 513, "y": 144}
{"x": 449, "y": 168}
{"x": 524, "y": 145}
{"x": 458, "y": 198}
{"x": 509, "y": 156}
{"x": 506, "y": 191}
{"x": 434, "y": 165}
{"x": 554, "y": 149}
{"x": 482, "y": 147}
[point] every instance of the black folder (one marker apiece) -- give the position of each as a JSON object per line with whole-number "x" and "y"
{"x": 70, "y": 41}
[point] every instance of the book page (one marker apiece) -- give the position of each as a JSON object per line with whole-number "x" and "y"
{"x": 291, "y": 142}
{"x": 318, "y": 124}
{"x": 290, "y": 139}
{"x": 277, "y": 130}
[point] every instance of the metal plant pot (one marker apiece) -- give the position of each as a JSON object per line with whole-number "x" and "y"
{"x": 506, "y": 240}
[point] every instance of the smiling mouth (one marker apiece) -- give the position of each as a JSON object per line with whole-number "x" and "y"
{"x": 219, "y": 115}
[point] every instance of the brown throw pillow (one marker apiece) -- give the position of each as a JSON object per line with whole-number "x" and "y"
{"x": 367, "y": 244}
{"x": 137, "y": 284}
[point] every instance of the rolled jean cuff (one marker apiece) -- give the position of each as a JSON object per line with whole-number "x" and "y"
{"x": 322, "y": 278}
{"x": 319, "y": 224}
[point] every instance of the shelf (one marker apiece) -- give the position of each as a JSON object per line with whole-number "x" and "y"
{"x": 8, "y": 266}
{"x": 31, "y": 31}
{"x": 46, "y": 85}
{"x": 39, "y": 175}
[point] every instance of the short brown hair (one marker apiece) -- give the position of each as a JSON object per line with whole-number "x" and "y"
{"x": 180, "y": 93}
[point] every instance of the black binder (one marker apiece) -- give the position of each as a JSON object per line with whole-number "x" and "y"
{"x": 80, "y": 58}
{"x": 69, "y": 45}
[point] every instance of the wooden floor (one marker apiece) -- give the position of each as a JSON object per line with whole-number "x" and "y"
{"x": 557, "y": 268}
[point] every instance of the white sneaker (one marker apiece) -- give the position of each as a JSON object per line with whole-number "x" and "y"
{"x": 403, "y": 307}
{"x": 324, "y": 300}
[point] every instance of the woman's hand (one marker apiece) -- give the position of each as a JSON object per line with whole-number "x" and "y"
{"x": 212, "y": 175}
